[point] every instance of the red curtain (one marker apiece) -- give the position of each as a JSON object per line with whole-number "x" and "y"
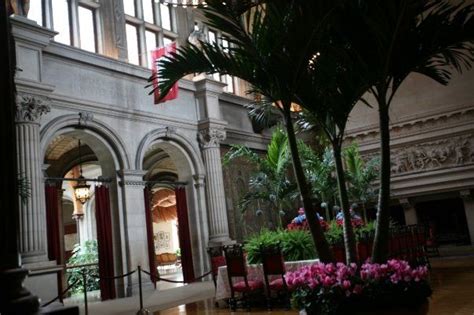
{"x": 52, "y": 222}
{"x": 183, "y": 234}
{"x": 104, "y": 240}
{"x": 149, "y": 232}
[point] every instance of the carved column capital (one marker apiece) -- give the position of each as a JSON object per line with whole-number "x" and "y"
{"x": 199, "y": 180}
{"x": 406, "y": 203}
{"x": 211, "y": 137}
{"x": 30, "y": 108}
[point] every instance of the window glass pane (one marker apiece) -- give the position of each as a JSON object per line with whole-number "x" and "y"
{"x": 87, "y": 29}
{"x": 212, "y": 37}
{"x": 165, "y": 14}
{"x": 35, "y": 13}
{"x": 230, "y": 84}
{"x": 129, "y": 7}
{"x": 167, "y": 41}
{"x": 148, "y": 11}
{"x": 61, "y": 21}
{"x": 150, "y": 38}
{"x": 132, "y": 44}
{"x": 225, "y": 44}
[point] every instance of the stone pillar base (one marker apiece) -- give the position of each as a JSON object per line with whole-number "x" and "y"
{"x": 14, "y": 298}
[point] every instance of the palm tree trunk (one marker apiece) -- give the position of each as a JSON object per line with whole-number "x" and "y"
{"x": 349, "y": 236}
{"x": 380, "y": 250}
{"x": 364, "y": 212}
{"x": 322, "y": 246}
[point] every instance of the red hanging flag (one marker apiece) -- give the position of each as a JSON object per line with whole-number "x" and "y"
{"x": 156, "y": 55}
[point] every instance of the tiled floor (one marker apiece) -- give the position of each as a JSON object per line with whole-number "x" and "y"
{"x": 452, "y": 280}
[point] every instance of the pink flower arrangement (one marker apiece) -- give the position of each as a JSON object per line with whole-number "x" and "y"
{"x": 349, "y": 279}
{"x": 325, "y": 289}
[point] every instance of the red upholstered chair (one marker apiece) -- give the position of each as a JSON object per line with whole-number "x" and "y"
{"x": 217, "y": 260}
{"x": 273, "y": 264}
{"x": 234, "y": 256}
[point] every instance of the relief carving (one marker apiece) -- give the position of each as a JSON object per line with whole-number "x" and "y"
{"x": 211, "y": 137}
{"x": 30, "y": 108}
{"x": 454, "y": 151}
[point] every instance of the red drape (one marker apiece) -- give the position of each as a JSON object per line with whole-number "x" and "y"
{"x": 149, "y": 232}
{"x": 184, "y": 237}
{"x": 52, "y": 222}
{"x": 104, "y": 239}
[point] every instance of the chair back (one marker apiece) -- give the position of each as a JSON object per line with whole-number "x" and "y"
{"x": 217, "y": 259}
{"x": 234, "y": 257}
{"x": 272, "y": 260}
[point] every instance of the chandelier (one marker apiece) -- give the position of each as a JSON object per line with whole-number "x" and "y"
{"x": 81, "y": 190}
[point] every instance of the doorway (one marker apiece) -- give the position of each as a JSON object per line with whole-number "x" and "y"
{"x": 446, "y": 218}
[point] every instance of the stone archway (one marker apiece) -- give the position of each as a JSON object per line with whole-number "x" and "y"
{"x": 102, "y": 147}
{"x": 161, "y": 154}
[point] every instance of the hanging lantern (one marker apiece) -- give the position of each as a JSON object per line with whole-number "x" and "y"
{"x": 81, "y": 190}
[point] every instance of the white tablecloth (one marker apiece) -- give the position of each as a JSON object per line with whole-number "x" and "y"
{"x": 254, "y": 272}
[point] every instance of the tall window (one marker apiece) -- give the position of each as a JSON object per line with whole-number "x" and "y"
{"x": 149, "y": 25}
{"x": 76, "y": 21}
{"x": 215, "y": 37}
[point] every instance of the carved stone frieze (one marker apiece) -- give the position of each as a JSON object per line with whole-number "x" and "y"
{"x": 426, "y": 156}
{"x": 211, "y": 137}
{"x": 30, "y": 108}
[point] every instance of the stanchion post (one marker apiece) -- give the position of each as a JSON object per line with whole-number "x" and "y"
{"x": 142, "y": 310}
{"x": 84, "y": 287}
{"x": 140, "y": 286}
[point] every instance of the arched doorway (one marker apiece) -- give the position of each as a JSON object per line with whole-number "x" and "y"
{"x": 81, "y": 233}
{"x": 172, "y": 168}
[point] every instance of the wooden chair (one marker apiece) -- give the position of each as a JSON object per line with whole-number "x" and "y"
{"x": 217, "y": 260}
{"x": 234, "y": 256}
{"x": 273, "y": 264}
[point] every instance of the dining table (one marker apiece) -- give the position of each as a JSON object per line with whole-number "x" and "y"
{"x": 254, "y": 272}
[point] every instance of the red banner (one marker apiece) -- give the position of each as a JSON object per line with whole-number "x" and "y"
{"x": 156, "y": 55}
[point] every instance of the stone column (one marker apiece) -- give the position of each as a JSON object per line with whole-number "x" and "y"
{"x": 210, "y": 136}
{"x": 33, "y": 245}
{"x": 468, "y": 199}
{"x": 136, "y": 249}
{"x": 409, "y": 211}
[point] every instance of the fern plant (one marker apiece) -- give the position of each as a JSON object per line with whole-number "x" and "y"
{"x": 84, "y": 254}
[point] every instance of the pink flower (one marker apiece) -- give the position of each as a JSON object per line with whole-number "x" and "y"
{"x": 346, "y": 284}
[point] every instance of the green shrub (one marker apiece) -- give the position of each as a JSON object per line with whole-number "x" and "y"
{"x": 295, "y": 245}
{"x": 86, "y": 254}
{"x": 334, "y": 234}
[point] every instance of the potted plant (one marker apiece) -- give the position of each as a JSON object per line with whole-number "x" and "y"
{"x": 331, "y": 289}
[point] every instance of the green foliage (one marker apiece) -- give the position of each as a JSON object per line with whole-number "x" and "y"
{"x": 360, "y": 175}
{"x": 334, "y": 234}
{"x": 295, "y": 245}
{"x": 270, "y": 184}
{"x": 87, "y": 254}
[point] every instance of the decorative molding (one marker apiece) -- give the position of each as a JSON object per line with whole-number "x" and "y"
{"x": 132, "y": 183}
{"x": 211, "y": 137}
{"x": 410, "y": 127}
{"x": 199, "y": 180}
{"x": 85, "y": 118}
{"x": 29, "y": 108}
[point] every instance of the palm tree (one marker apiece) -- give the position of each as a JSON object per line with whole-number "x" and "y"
{"x": 270, "y": 183}
{"x": 361, "y": 176}
{"x": 267, "y": 52}
{"x": 395, "y": 38}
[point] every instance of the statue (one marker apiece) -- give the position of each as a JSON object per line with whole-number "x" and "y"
{"x": 197, "y": 36}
